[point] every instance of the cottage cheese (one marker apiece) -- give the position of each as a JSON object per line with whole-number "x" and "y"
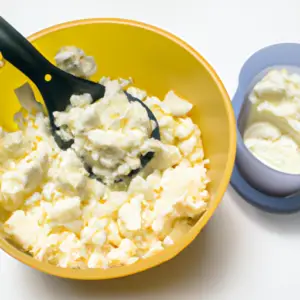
{"x": 73, "y": 60}
{"x": 274, "y": 135}
{"x": 60, "y": 215}
{"x": 108, "y": 134}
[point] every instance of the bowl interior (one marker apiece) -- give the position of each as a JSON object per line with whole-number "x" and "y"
{"x": 157, "y": 62}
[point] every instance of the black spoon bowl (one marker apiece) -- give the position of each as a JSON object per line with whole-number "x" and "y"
{"x": 55, "y": 85}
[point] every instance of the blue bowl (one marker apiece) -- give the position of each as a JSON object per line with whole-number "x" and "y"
{"x": 255, "y": 181}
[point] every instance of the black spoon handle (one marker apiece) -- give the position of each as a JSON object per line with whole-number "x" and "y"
{"x": 21, "y": 53}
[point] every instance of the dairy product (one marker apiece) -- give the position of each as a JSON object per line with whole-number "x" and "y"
{"x": 73, "y": 60}
{"x": 60, "y": 215}
{"x": 108, "y": 134}
{"x": 273, "y": 135}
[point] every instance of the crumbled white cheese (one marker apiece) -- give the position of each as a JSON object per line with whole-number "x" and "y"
{"x": 121, "y": 255}
{"x": 108, "y": 134}
{"x": 272, "y": 138}
{"x": 65, "y": 210}
{"x": 166, "y": 157}
{"x": 139, "y": 186}
{"x": 24, "y": 178}
{"x": 73, "y": 60}
{"x": 137, "y": 93}
{"x": 177, "y": 106}
{"x": 130, "y": 214}
{"x": 185, "y": 128}
{"x": 24, "y": 229}
{"x": 62, "y": 216}
{"x": 154, "y": 249}
{"x": 114, "y": 237}
{"x": 33, "y": 199}
{"x": 70, "y": 174}
{"x": 187, "y": 146}
{"x": 168, "y": 241}
{"x": 97, "y": 260}
{"x": 81, "y": 101}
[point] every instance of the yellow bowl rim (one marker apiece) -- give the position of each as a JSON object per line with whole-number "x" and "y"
{"x": 170, "y": 252}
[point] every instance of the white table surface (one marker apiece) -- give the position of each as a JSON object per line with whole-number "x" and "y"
{"x": 243, "y": 253}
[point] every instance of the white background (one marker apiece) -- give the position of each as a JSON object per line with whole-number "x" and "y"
{"x": 243, "y": 253}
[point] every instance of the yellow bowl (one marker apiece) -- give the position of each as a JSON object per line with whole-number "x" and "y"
{"x": 158, "y": 62}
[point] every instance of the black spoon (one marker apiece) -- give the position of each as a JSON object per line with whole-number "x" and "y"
{"x": 55, "y": 85}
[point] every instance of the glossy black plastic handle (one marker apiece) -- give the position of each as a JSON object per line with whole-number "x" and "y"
{"x": 19, "y": 52}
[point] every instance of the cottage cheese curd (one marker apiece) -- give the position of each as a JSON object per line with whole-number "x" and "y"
{"x": 60, "y": 215}
{"x": 73, "y": 60}
{"x": 274, "y": 135}
{"x": 108, "y": 134}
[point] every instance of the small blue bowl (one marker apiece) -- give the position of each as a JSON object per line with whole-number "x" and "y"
{"x": 261, "y": 186}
